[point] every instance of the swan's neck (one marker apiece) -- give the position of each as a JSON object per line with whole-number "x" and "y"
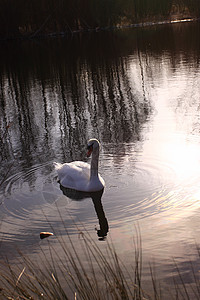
{"x": 94, "y": 164}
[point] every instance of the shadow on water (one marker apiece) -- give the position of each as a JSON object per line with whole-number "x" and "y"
{"x": 96, "y": 199}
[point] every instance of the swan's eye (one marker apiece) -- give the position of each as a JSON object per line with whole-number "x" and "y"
{"x": 90, "y": 148}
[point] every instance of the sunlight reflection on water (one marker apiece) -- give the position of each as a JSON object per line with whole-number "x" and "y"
{"x": 144, "y": 108}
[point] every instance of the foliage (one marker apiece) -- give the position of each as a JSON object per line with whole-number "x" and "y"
{"x": 193, "y": 6}
{"x": 18, "y": 18}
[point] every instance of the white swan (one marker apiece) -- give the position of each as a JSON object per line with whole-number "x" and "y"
{"x": 79, "y": 175}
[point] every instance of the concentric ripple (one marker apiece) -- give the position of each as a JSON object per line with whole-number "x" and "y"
{"x": 25, "y": 190}
{"x": 149, "y": 186}
{"x": 137, "y": 188}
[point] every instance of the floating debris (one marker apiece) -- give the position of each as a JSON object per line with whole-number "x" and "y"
{"x": 44, "y": 235}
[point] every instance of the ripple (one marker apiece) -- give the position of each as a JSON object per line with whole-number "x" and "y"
{"x": 33, "y": 202}
{"x": 30, "y": 188}
{"x": 136, "y": 189}
{"x": 150, "y": 186}
{"x": 32, "y": 198}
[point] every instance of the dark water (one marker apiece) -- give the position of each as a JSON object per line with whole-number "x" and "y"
{"x": 138, "y": 92}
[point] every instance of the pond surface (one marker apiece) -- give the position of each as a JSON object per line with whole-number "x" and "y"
{"x": 138, "y": 92}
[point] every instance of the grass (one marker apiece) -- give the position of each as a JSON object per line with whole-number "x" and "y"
{"x": 98, "y": 273}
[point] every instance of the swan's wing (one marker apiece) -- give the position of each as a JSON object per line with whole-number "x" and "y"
{"x": 76, "y": 175}
{"x": 73, "y": 175}
{"x": 83, "y": 167}
{"x": 73, "y": 169}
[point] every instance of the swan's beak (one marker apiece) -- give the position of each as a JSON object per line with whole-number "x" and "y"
{"x": 90, "y": 148}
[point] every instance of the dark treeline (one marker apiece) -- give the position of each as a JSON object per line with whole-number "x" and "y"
{"x": 32, "y": 18}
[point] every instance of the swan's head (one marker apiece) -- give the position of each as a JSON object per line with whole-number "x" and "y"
{"x": 92, "y": 145}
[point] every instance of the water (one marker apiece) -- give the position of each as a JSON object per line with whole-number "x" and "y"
{"x": 135, "y": 90}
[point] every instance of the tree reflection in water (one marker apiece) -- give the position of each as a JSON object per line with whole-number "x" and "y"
{"x": 96, "y": 199}
{"x": 56, "y": 94}
{"x": 59, "y": 98}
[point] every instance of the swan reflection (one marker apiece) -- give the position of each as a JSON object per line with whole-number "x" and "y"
{"x": 96, "y": 199}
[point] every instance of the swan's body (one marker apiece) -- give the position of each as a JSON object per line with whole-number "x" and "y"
{"x": 81, "y": 176}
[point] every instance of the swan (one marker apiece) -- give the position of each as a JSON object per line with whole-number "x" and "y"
{"x": 81, "y": 176}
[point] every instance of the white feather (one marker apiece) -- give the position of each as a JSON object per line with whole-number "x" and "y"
{"x": 79, "y": 175}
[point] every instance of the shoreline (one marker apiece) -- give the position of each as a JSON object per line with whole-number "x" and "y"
{"x": 98, "y": 29}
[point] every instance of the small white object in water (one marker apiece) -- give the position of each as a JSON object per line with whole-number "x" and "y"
{"x": 45, "y": 234}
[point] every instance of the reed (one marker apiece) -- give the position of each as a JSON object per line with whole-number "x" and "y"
{"x": 98, "y": 273}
